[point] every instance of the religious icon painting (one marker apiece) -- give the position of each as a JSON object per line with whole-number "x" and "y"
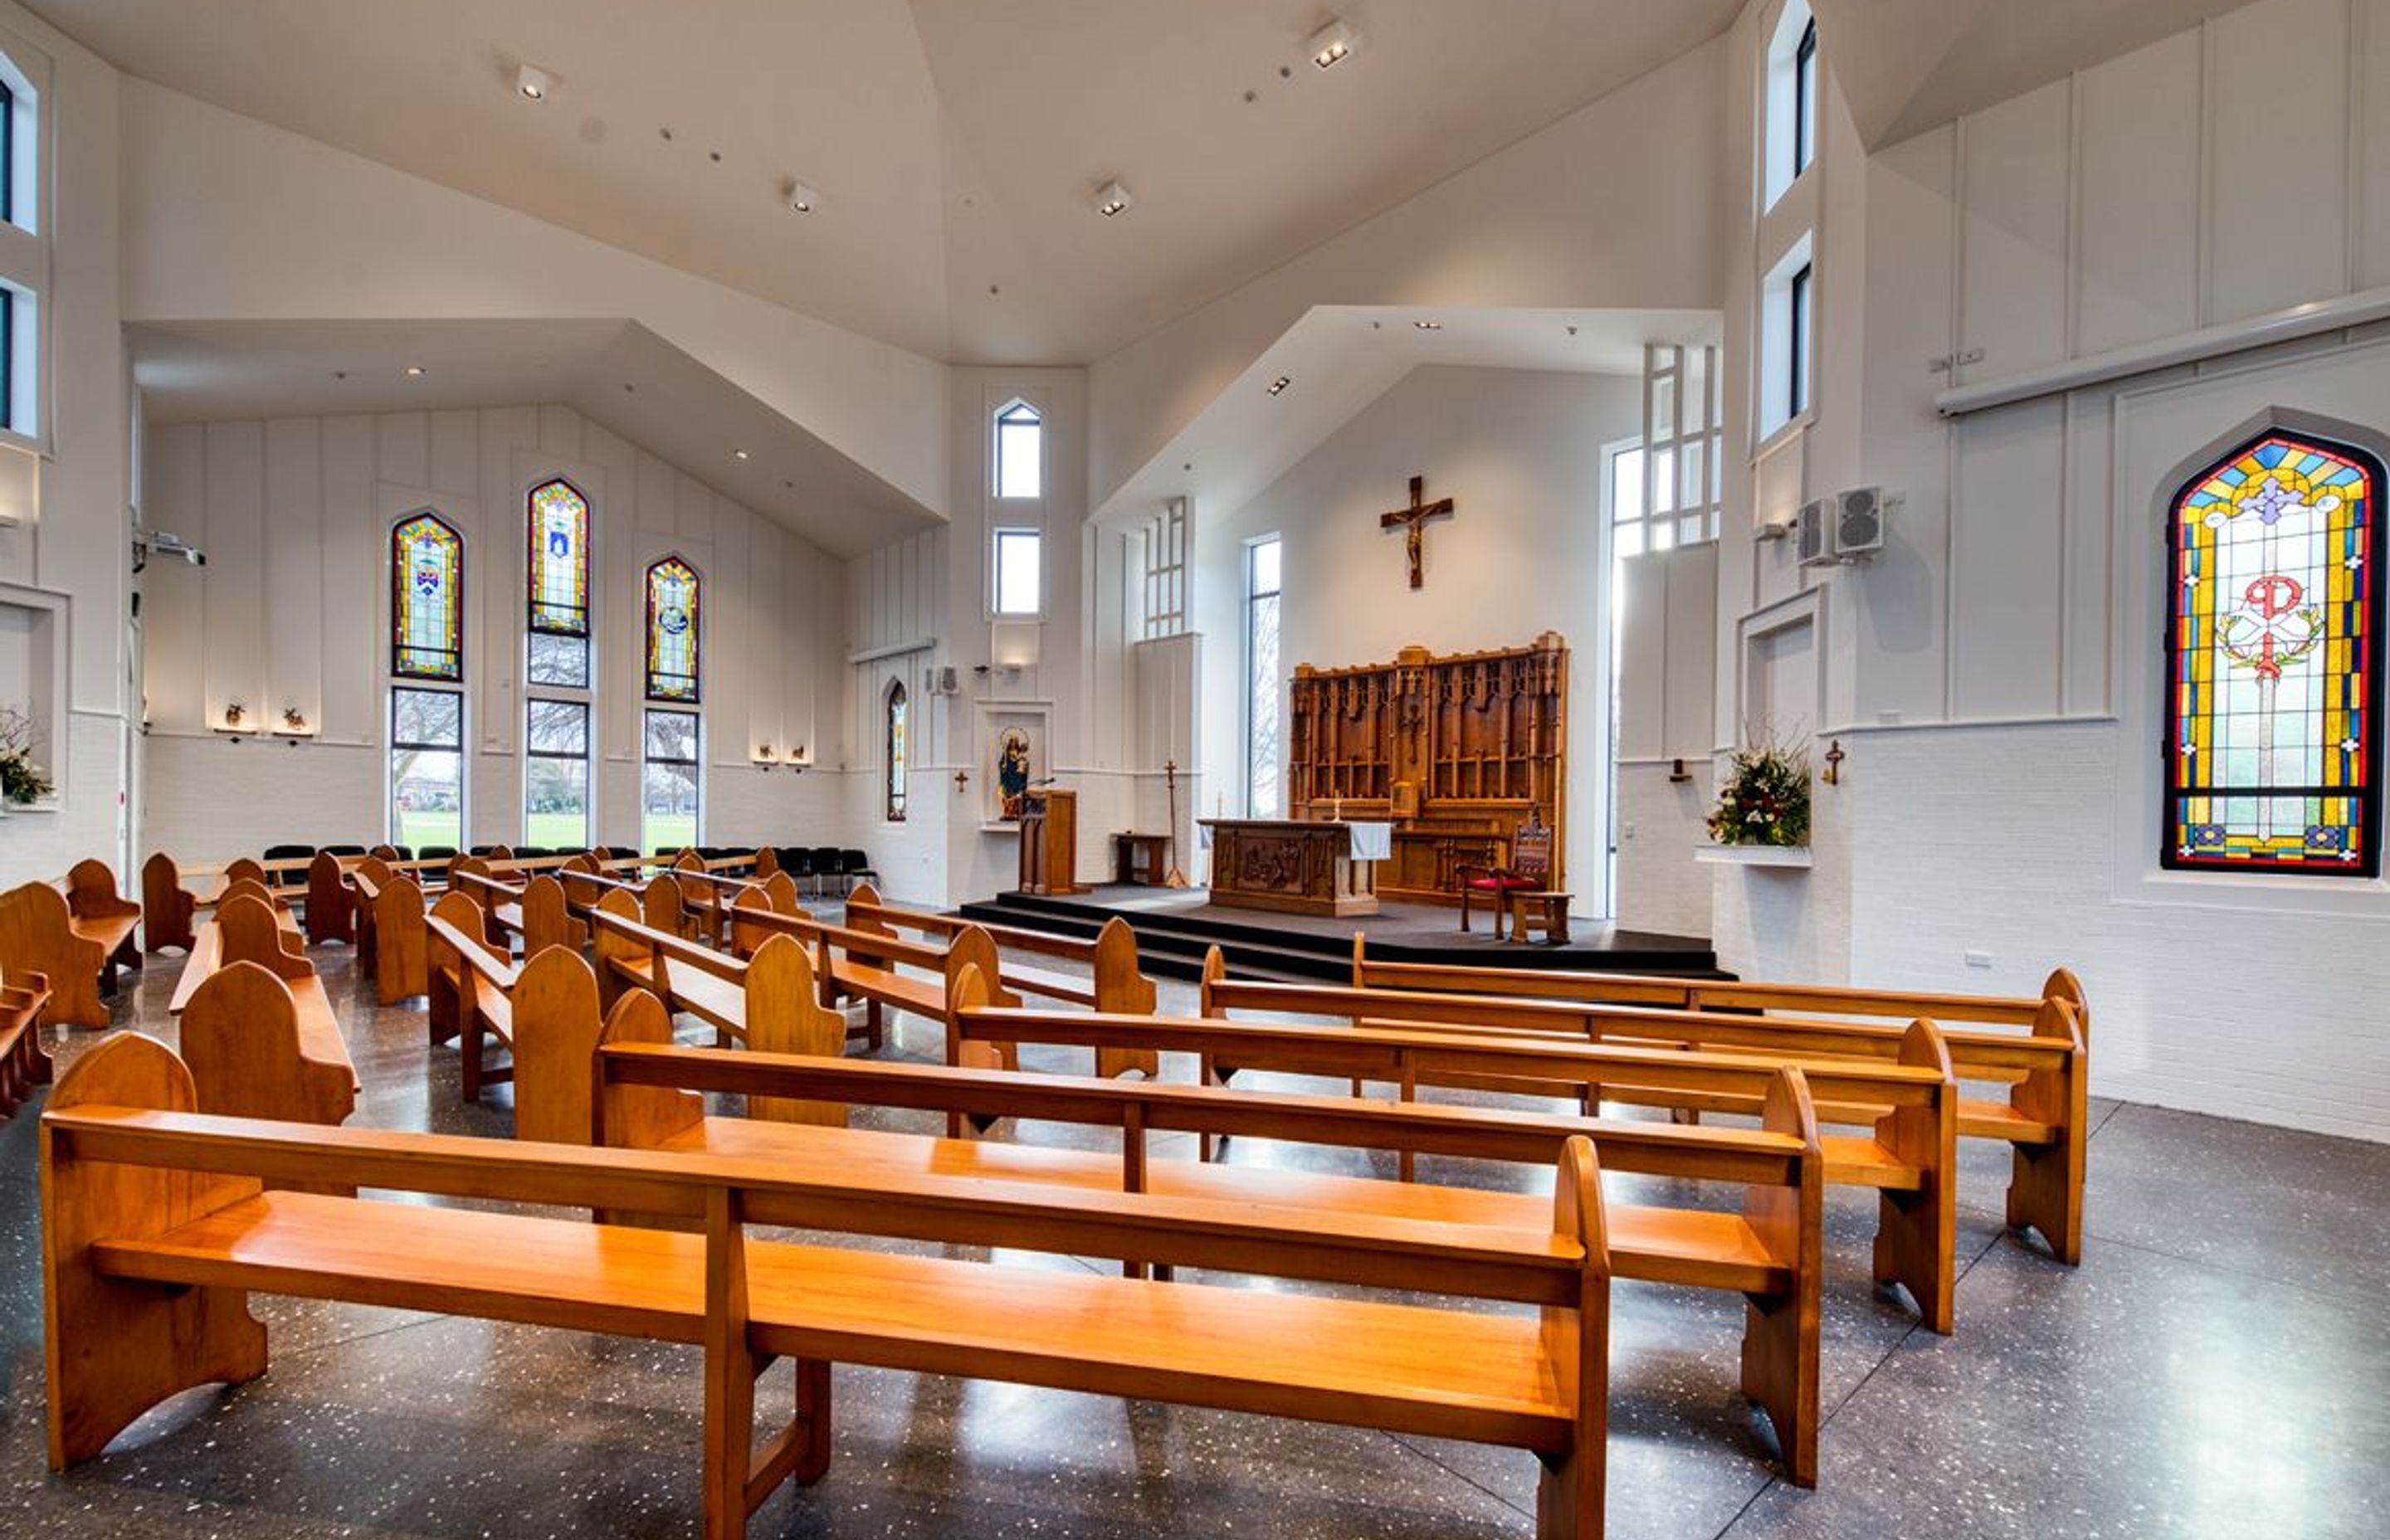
{"x": 1012, "y": 771}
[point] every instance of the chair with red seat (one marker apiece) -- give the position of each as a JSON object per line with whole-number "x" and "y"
{"x": 1530, "y": 870}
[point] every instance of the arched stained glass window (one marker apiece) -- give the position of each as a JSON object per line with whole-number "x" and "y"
{"x": 672, "y": 630}
{"x": 2274, "y": 652}
{"x": 560, "y": 561}
{"x": 427, "y": 559}
{"x": 899, "y": 750}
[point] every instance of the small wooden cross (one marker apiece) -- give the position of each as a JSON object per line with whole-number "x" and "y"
{"x": 1412, "y": 520}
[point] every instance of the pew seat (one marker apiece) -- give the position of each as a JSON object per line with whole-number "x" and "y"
{"x": 24, "y": 1063}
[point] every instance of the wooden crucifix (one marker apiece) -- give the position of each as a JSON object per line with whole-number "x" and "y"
{"x": 1413, "y": 520}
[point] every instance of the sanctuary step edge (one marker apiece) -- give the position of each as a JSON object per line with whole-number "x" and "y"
{"x": 1172, "y": 946}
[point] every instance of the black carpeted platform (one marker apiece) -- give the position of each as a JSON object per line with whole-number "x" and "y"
{"x": 1174, "y": 927}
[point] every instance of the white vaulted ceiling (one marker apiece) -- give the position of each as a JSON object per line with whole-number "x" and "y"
{"x": 957, "y": 144}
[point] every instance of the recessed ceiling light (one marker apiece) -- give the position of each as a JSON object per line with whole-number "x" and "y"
{"x": 532, "y": 83}
{"x": 414, "y": 371}
{"x": 738, "y": 454}
{"x": 1333, "y": 44}
{"x": 801, "y": 198}
{"x": 1278, "y": 385}
{"x": 1429, "y": 325}
{"x": 1112, "y": 198}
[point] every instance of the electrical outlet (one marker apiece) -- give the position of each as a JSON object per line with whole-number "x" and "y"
{"x": 1978, "y": 958}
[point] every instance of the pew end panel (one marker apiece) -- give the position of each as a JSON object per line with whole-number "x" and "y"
{"x": 331, "y": 907}
{"x": 615, "y": 952}
{"x": 115, "y": 1348}
{"x": 1122, "y": 990}
{"x": 250, "y": 931}
{"x": 558, "y": 1023}
{"x": 169, "y": 910}
{"x": 974, "y": 950}
{"x": 1917, "y": 1231}
{"x": 402, "y": 953}
{"x": 1571, "y": 1493}
{"x": 785, "y": 1015}
{"x": 2045, "y": 1180}
{"x": 1781, "y": 1335}
{"x": 38, "y": 935}
{"x": 247, "y": 1058}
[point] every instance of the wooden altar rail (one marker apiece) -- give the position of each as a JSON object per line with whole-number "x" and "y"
{"x": 116, "y": 1345}
{"x": 2046, "y": 1120}
{"x": 646, "y": 1096}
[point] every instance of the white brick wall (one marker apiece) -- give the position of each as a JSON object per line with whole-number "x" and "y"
{"x": 1660, "y": 887}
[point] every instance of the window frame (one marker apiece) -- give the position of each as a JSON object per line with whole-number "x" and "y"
{"x": 696, "y": 763}
{"x": 998, "y": 461}
{"x": 583, "y": 759}
{"x": 895, "y": 751}
{"x": 2368, "y": 793}
{"x": 27, "y": 256}
{"x": 398, "y": 645}
{"x": 1805, "y": 100}
{"x": 401, "y": 685}
{"x": 1253, "y": 598}
{"x": 997, "y": 540}
{"x": 648, "y": 672}
{"x": 1801, "y": 305}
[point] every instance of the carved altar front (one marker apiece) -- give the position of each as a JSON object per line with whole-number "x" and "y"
{"x": 1455, "y": 750}
{"x": 1293, "y": 867}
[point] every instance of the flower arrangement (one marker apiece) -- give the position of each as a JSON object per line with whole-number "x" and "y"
{"x": 1764, "y": 798}
{"x": 21, "y": 780}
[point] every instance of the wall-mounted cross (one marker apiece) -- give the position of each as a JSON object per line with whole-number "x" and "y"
{"x": 1412, "y": 520}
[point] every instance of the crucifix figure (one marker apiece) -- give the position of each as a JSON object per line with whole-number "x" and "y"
{"x": 1414, "y": 520}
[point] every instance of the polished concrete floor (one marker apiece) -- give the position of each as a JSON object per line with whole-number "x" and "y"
{"x": 2219, "y": 1365}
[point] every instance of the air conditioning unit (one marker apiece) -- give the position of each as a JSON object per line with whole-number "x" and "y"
{"x": 1811, "y": 538}
{"x": 1860, "y": 516}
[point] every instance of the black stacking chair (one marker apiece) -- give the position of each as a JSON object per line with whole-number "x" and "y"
{"x": 436, "y": 853}
{"x": 522, "y": 850}
{"x": 798, "y": 863}
{"x": 854, "y": 864}
{"x": 288, "y": 853}
{"x": 827, "y": 867}
{"x": 480, "y": 849}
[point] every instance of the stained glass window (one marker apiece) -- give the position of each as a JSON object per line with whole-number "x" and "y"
{"x": 427, "y": 599}
{"x": 560, "y": 561}
{"x": 672, "y": 630}
{"x": 2273, "y": 652}
{"x": 899, "y": 752}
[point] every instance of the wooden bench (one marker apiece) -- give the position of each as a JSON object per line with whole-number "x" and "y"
{"x": 1909, "y": 1159}
{"x": 169, "y": 910}
{"x": 258, "y": 1029}
{"x": 865, "y": 964}
{"x": 469, "y": 991}
{"x": 529, "y": 905}
{"x": 390, "y": 931}
{"x": 1113, "y": 982}
{"x": 625, "y": 1081}
{"x": 1627, "y": 989}
{"x": 76, "y": 939}
{"x": 155, "y": 1230}
{"x": 2045, "y": 1120}
{"x": 24, "y": 1063}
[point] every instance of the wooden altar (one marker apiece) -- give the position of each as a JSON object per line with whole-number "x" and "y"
{"x": 1455, "y": 750}
{"x": 1301, "y": 869}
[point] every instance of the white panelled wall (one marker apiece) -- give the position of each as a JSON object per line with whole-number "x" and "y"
{"x": 1995, "y": 677}
{"x": 292, "y": 609}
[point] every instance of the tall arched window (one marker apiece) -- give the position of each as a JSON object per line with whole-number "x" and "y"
{"x": 672, "y": 623}
{"x": 1019, "y": 451}
{"x": 898, "y": 726}
{"x": 2273, "y": 654}
{"x": 557, "y": 700}
{"x": 427, "y": 561}
{"x": 560, "y": 561}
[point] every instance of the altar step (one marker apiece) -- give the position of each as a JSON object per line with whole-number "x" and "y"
{"x": 1173, "y": 934}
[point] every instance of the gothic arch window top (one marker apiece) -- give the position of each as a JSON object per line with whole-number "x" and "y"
{"x": 427, "y": 561}
{"x": 673, "y": 621}
{"x": 559, "y": 559}
{"x": 2273, "y": 662}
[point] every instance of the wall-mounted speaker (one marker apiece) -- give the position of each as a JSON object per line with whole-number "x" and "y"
{"x": 1811, "y": 538}
{"x": 1859, "y": 519}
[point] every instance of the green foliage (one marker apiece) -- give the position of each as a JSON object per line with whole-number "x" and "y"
{"x": 22, "y": 778}
{"x": 1763, "y": 798}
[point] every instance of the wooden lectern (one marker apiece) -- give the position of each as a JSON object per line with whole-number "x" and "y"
{"x": 1049, "y": 842}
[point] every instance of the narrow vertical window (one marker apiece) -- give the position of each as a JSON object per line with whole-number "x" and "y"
{"x": 558, "y": 563}
{"x": 1805, "y": 99}
{"x": 1020, "y": 587}
{"x": 2273, "y": 654}
{"x": 555, "y": 774}
{"x": 671, "y": 783}
{"x": 1796, "y": 385}
{"x": 896, "y": 729}
{"x": 427, "y": 599}
{"x": 1264, "y": 793}
{"x": 427, "y": 769}
{"x": 1019, "y": 451}
{"x": 673, "y": 625}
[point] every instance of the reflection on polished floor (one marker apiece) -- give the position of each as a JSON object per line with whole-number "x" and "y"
{"x": 2219, "y": 1366}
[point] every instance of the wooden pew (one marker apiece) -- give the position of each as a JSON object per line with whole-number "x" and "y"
{"x": 533, "y": 909}
{"x": 625, "y": 1082}
{"x": 331, "y": 903}
{"x": 258, "y": 1029}
{"x": 772, "y": 999}
{"x": 155, "y": 1230}
{"x": 75, "y": 939}
{"x": 168, "y": 909}
{"x": 470, "y": 986}
{"x": 390, "y": 931}
{"x": 24, "y": 1063}
{"x": 1910, "y": 1162}
{"x": 865, "y": 964}
{"x": 2045, "y": 1122}
{"x": 1627, "y": 989}
{"x": 1116, "y": 985}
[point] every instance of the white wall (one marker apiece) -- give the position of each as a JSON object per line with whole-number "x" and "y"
{"x": 292, "y": 609}
{"x": 1520, "y": 453}
{"x": 1667, "y": 627}
{"x": 1995, "y": 677}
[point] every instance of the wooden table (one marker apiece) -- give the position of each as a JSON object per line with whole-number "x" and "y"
{"x": 1140, "y": 859}
{"x": 1517, "y": 901}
